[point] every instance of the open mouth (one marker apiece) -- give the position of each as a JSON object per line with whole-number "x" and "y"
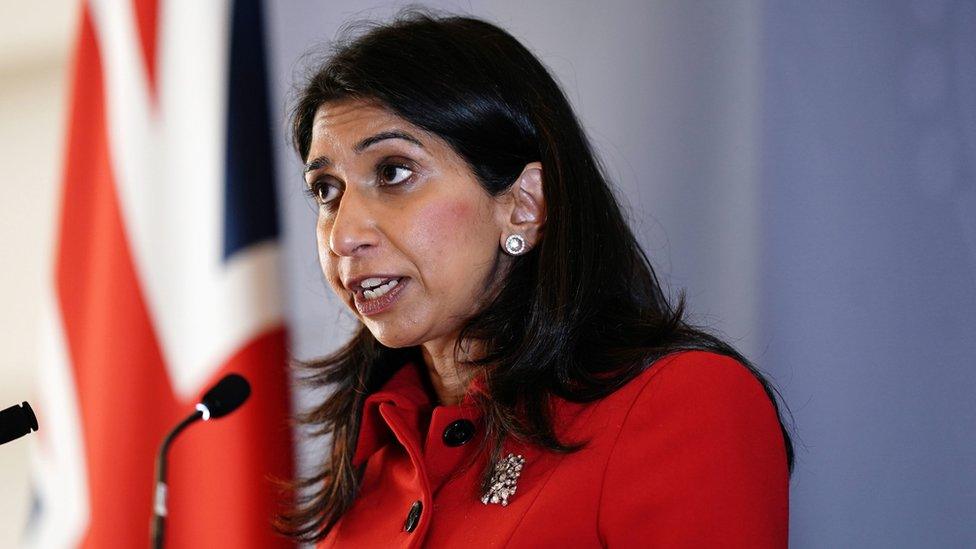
{"x": 375, "y": 288}
{"x": 376, "y": 295}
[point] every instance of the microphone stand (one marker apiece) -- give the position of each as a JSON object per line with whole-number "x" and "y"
{"x": 223, "y": 398}
{"x": 159, "y": 500}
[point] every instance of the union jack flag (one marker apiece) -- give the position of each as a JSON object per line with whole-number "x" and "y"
{"x": 165, "y": 279}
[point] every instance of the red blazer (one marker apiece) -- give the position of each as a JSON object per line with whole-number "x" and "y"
{"x": 687, "y": 454}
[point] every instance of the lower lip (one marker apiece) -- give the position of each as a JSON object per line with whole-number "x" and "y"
{"x": 370, "y": 307}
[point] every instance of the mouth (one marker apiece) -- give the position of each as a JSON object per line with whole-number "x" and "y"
{"x": 379, "y": 294}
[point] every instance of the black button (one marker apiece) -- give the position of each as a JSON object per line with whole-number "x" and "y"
{"x": 459, "y": 432}
{"x": 413, "y": 517}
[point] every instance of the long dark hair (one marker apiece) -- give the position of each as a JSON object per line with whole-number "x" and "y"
{"x": 577, "y": 317}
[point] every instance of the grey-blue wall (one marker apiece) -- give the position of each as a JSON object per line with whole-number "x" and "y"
{"x": 869, "y": 265}
{"x": 806, "y": 171}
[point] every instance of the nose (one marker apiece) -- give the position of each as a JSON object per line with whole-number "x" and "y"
{"x": 353, "y": 228}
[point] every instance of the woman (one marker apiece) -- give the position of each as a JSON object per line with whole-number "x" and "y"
{"x": 519, "y": 378}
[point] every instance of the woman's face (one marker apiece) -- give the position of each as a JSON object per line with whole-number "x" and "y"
{"x": 407, "y": 237}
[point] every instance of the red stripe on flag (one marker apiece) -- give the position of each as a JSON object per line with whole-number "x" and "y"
{"x": 221, "y": 469}
{"x": 123, "y": 392}
{"x": 220, "y": 495}
{"x": 146, "y": 12}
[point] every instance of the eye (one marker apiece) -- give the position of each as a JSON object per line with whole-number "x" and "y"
{"x": 393, "y": 174}
{"x": 322, "y": 192}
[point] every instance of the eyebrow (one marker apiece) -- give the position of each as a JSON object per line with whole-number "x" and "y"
{"x": 316, "y": 164}
{"x": 322, "y": 161}
{"x": 382, "y": 136}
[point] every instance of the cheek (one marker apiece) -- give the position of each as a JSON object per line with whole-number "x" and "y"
{"x": 452, "y": 238}
{"x": 327, "y": 260}
{"x": 443, "y": 223}
{"x": 322, "y": 241}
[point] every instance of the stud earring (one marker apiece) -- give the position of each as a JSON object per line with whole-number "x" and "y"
{"x": 515, "y": 244}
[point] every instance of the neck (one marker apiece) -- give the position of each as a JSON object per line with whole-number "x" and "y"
{"x": 449, "y": 379}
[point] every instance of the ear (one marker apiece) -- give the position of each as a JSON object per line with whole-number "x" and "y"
{"x": 523, "y": 208}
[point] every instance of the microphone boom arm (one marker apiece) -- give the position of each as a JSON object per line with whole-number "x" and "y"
{"x": 223, "y": 398}
{"x": 159, "y": 497}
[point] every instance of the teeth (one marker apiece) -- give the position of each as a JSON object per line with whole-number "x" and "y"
{"x": 371, "y": 282}
{"x": 382, "y": 290}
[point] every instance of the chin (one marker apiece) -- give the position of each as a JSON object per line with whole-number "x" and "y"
{"x": 392, "y": 338}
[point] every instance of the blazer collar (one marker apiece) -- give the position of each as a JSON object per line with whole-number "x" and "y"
{"x": 406, "y": 396}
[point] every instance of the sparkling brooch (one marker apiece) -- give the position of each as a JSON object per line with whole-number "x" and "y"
{"x": 504, "y": 479}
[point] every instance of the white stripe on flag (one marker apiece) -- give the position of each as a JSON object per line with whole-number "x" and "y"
{"x": 168, "y": 164}
{"x": 58, "y": 467}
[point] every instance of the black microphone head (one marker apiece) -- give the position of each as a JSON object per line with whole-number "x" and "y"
{"x": 225, "y": 397}
{"x": 16, "y": 422}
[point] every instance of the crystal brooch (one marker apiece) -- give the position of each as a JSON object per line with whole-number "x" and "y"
{"x": 504, "y": 479}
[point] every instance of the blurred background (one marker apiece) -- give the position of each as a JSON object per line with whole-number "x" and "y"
{"x": 34, "y": 48}
{"x": 805, "y": 170}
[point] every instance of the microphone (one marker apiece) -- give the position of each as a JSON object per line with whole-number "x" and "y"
{"x": 223, "y": 398}
{"x": 16, "y": 421}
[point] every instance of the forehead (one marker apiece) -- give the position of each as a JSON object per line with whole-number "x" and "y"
{"x": 339, "y": 124}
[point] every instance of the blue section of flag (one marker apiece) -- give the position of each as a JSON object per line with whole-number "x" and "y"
{"x": 250, "y": 205}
